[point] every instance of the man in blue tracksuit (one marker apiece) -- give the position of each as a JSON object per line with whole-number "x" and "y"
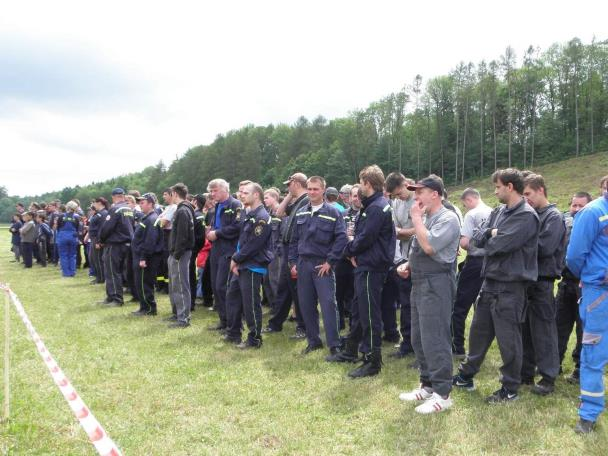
{"x": 115, "y": 236}
{"x": 371, "y": 252}
{"x": 316, "y": 247}
{"x": 248, "y": 265}
{"x": 147, "y": 250}
{"x": 224, "y": 235}
{"x": 587, "y": 258}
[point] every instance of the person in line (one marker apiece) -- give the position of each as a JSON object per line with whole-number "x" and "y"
{"x": 248, "y": 265}
{"x": 316, "y": 247}
{"x": 587, "y": 258}
{"x": 430, "y": 264}
{"x": 510, "y": 243}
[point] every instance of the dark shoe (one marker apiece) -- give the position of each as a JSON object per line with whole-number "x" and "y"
{"x": 247, "y": 345}
{"x": 310, "y": 348}
{"x": 268, "y": 330}
{"x": 460, "y": 381}
{"x": 115, "y": 304}
{"x": 231, "y": 339}
{"x": 93, "y": 281}
{"x": 104, "y": 301}
{"x": 139, "y": 313}
{"x": 334, "y": 353}
{"x": 584, "y": 426}
{"x": 543, "y": 388}
{"x": 527, "y": 381}
{"x": 349, "y": 353}
{"x": 372, "y": 365}
{"x": 217, "y": 327}
{"x": 151, "y": 312}
{"x": 170, "y": 318}
{"x": 574, "y": 378}
{"x": 298, "y": 335}
{"x": 179, "y": 324}
{"x": 502, "y": 395}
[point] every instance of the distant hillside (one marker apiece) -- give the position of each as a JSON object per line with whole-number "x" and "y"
{"x": 563, "y": 179}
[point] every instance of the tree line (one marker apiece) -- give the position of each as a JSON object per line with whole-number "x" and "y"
{"x": 538, "y": 107}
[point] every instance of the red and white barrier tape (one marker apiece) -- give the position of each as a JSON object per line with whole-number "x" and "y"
{"x": 104, "y": 445}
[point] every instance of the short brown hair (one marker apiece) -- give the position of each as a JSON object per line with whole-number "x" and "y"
{"x": 274, "y": 192}
{"x": 535, "y": 182}
{"x": 181, "y": 190}
{"x": 256, "y": 188}
{"x": 604, "y": 182}
{"x": 245, "y": 182}
{"x": 374, "y": 176}
{"x": 317, "y": 179}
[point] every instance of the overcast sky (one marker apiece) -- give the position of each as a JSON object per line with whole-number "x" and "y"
{"x": 91, "y": 92}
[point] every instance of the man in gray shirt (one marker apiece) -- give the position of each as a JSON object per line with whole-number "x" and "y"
{"x": 402, "y": 201}
{"x": 469, "y": 277}
{"x": 431, "y": 259}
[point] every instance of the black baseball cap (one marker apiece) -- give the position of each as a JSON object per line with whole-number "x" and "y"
{"x": 428, "y": 182}
{"x": 118, "y": 191}
{"x": 150, "y": 197}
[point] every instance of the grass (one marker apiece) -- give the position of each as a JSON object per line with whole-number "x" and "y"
{"x": 183, "y": 392}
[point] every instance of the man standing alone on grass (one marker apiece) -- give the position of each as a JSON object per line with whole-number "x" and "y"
{"x": 510, "y": 243}
{"x": 181, "y": 242}
{"x": 431, "y": 266}
{"x": 587, "y": 258}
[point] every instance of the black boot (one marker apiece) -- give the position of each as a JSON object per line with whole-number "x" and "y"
{"x": 372, "y": 364}
{"x": 349, "y": 353}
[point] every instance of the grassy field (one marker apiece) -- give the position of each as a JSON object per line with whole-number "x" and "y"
{"x": 183, "y": 392}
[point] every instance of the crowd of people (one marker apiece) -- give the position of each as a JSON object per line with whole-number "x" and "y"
{"x": 360, "y": 255}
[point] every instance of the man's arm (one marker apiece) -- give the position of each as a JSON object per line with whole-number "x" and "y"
{"x": 584, "y": 233}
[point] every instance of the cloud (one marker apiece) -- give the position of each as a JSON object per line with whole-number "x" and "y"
{"x": 63, "y": 75}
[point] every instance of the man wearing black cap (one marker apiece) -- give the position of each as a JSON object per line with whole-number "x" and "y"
{"x": 147, "y": 248}
{"x": 96, "y": 256}
{"x": 510, "y": 243}
{"x": 430, "y": 264}
{"x": 115, "y": 235}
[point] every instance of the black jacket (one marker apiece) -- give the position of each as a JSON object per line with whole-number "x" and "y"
{"x": 147, "y": 238}
{"x": 117, "y": 227}
{"x": 181, "y": 238}
{"x": 228, "y": 233}
{"x": 551, "y": 242}
{"x": 254, "y": 240}
{"x": 511, "y": 255}
{"x": 374, "y": 243}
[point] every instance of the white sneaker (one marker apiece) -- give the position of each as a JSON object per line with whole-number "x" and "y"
{"x": 435, "y": 404}
{"x": 417, "y": 395}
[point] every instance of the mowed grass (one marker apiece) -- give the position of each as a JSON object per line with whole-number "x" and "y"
{"x": 183, "y": 392}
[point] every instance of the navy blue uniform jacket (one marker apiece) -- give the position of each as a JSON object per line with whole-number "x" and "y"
{"x": 117, "y": 228}
{"x": 147, "y": 238}
{"x": 254, "y": 240}
{"x": 228, "y": 233}
{"x": 318, "y": 235}
{"x": 374, "y": 242}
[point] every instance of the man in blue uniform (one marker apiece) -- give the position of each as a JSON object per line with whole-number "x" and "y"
{"x": 224, "y": 235}
{"x": 314, "y": 251}
{"x": 587, "y": 258}
{"x": 248, "y": 265}
{"x": 115, "y": 235}
{"x": 371, "y": 252}
{"x": 100, "y": 204}
{"x": 147, "y": 249}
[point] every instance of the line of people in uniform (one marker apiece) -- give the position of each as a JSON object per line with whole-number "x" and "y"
{"x": 388, "y": 243}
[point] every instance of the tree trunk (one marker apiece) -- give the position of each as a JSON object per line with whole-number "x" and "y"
{"x": 464, "y": 140}
{"x": 494, "y": 134}
{"x": 481, "y": 119}
{"x": 457, "y": 141}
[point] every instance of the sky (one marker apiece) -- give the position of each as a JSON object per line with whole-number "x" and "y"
{"x": 92, "y": 91}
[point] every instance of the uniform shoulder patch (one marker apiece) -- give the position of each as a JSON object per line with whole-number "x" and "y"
{"x": 108, "y": 217}
{"x": 258, "y": 230}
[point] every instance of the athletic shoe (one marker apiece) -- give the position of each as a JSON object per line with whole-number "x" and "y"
{"x": 434, "y": 404}
{"x": 416, "y": 395}
{"x": 584, "y": 426}
{"x": 460, "y": 381}
{"x": 502, "y": 395}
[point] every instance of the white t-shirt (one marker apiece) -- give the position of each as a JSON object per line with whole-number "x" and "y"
{"x": 473, "y": 221}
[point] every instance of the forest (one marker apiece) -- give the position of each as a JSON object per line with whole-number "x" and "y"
{"x": 521, "y": 109}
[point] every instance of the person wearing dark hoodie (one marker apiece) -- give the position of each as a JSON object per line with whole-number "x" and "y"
{"x": 181, "y": 243}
